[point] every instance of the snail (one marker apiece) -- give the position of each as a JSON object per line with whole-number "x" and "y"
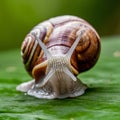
{"x": 54, "y": 52}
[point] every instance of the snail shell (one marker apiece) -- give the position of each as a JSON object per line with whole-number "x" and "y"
{"x": 54, "y": 52}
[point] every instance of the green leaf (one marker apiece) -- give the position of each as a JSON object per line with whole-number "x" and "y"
{"x": 101, "y": 100}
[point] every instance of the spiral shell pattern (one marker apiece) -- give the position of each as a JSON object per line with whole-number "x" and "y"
{"x": 58, "y": 34}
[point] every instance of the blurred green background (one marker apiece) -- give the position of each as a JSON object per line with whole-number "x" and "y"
{"x": 17, "y": 17}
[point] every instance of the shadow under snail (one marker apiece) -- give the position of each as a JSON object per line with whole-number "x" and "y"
{"x": 54, "y": 52}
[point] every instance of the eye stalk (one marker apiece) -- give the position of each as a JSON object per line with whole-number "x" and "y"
{"x": 47, "y": 53}
{"x": 71, "y": 50}
{"x": 58, "y": 64}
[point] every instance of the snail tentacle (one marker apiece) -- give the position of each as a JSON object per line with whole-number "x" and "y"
{"x": 71, "y": 50}
{"x": 69, "y": 73}
{"x": 47, "y": 53}
{"x": 46, "y": 79}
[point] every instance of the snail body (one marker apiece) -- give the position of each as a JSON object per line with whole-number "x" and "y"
{"x": 54, "y": 52}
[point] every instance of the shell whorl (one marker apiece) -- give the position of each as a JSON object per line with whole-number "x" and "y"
{"x": 58, "y": 34}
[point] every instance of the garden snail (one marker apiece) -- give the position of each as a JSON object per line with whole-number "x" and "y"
{"x": 55, "y": 52}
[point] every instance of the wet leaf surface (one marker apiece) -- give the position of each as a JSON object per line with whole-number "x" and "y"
{"x": 101, "y": 100}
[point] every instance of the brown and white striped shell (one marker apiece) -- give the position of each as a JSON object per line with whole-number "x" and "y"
{"x": 55, "y": 52}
